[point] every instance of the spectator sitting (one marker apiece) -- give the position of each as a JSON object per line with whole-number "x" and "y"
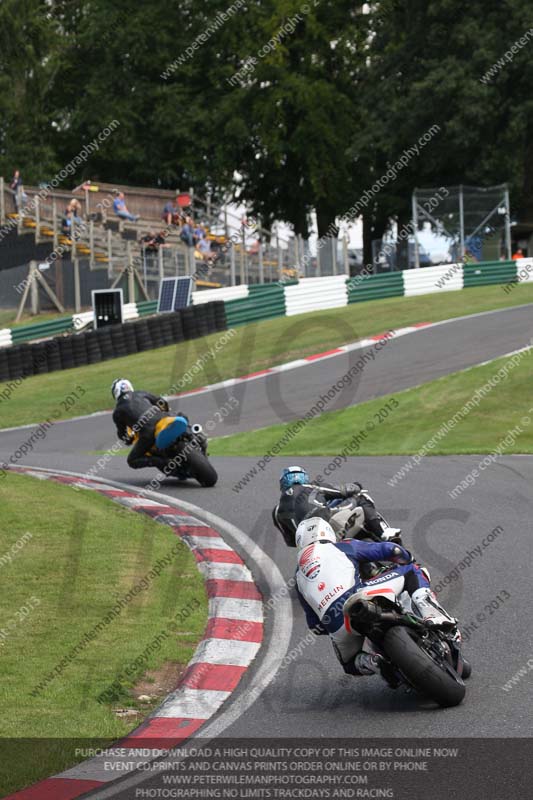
{"x": 172, "y": 214}
{"x": 121, "y": 210}
{"x": 518, "y": 254}
{"x": 204, "y": 248}
{"x": 198, "y": 233}
{"x": 187, "y": 234}
{"x": 18, "y": 188}
{"x": 169, "y": 213}
{"x": 153, "y": 241}
{"x": 75, "y": 208}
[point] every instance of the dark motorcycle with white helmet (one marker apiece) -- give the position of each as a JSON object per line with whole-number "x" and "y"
{"x": 163, "y": 440}
{"x": 184, "y": 446}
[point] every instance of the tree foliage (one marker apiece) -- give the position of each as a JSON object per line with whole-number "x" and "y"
{"x": 315, "y": 119}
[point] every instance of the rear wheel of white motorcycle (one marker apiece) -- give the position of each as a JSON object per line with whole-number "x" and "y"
{"x": 201, "y": 469}
{"x": 422, "y": 672}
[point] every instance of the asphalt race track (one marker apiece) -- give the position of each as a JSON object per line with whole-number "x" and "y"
{"x": 407, "y": 361}
{"x": 310, "y": 696}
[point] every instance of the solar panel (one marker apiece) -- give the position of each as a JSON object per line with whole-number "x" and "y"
{"x": 174, "y": 293}
{"x": 167, "y": 291}
{"x": 183, "y": 293}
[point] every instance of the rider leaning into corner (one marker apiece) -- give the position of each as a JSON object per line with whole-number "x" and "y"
{"x": 140, "y": 411}
{"x": 301, "y": 498}
{"x": 328, "y": 575}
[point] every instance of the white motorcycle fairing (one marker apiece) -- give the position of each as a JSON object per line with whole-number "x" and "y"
{"x": 389, "y": 585}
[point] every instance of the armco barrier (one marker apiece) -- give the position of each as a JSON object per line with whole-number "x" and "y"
{"x": 264, "y": 301}
{"x": 315, "y": 294}
{"x": 6, "y": 339}
{"x": 259, "y": 302}
{"x": 524, "y": 270}
{"x": 489, "y": 272}
{"x": 432, "y": 279}
{"x": 76, "y": 350}
{"x": 147, "y": 307}
{"x": 375, "y": 287}
{"x": 40, "y": 330}
{"x": 226, "y": 293}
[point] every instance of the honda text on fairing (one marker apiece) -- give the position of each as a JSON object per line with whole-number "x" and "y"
{"x": 418, "y": 655}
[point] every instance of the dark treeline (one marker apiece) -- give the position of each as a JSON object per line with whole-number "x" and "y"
{"x": 310, "y": 102}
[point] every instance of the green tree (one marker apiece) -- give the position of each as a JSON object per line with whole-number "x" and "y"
{"x": 427, "y": 64}
{"x": 291, "y": 126}
{"x": 29, "y": 64}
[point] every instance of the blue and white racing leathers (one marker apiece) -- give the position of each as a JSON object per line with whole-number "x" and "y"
{"x": 328, "y": 574}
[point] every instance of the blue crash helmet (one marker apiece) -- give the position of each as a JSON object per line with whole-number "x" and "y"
{"x": 292, "y": 475}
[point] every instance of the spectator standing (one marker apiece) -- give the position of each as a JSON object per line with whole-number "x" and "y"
{"x": 17, "y": 186}
{"x": 518, "y": 254}
{"x": 75, "y": 208}
{"x": 171, "y": 213}
{"x": 121, "y": 210}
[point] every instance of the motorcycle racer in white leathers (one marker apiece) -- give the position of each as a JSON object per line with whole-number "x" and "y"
{"x": 328, "y": 574}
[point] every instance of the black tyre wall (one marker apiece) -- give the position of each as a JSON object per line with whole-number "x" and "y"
{"x": 115, "y": 341}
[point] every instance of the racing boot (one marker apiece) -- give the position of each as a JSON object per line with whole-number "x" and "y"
{"x": 375, "y": 522}
{"x": 367, "y": 663}
{"x": 392, "y": 535}
{"x": 426, "y": 606}
{"x": 375, "y": 664}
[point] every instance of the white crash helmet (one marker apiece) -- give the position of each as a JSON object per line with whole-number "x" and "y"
{"x": 120, "y": 386}
{"x": 312, "y": 530}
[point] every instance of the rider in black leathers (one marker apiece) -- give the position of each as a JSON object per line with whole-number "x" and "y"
{"x": 139, "y": 411}
{"x": 300, "y": 498}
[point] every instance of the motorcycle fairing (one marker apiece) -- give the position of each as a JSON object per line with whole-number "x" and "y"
{"x": 168, "y": 430}
{"x": 389, "y": 586}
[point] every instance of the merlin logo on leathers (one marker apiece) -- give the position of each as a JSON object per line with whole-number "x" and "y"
{"x": 330, "y": 595}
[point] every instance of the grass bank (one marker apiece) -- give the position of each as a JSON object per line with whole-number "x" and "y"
{"x": 67, "y": 558}
{"x": 404, "y": 423}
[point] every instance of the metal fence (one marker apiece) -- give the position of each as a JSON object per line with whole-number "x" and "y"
{"x": 475, "y": 220}
{"x": 243, "y": 253}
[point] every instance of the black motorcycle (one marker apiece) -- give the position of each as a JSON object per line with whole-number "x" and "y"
{"x": 185, "y": 452}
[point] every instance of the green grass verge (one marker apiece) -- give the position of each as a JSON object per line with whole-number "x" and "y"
{"x": 7, "y": 318}
{"x": 409, "y": 425}
{"x": 78, "y": 555}
{"x": 252, "y": 348}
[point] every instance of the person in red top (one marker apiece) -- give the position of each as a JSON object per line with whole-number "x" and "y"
{"x": 518, "y": 254}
